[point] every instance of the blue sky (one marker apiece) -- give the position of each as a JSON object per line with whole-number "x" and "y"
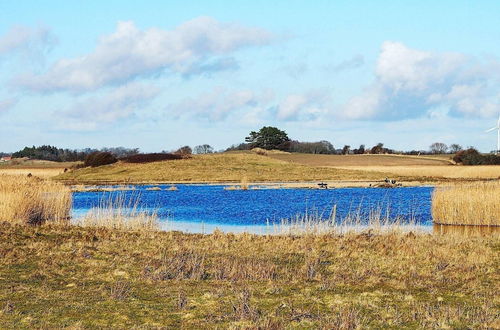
{"x": 161, "y": 74}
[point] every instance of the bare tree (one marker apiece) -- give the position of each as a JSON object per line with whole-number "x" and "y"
{"x": 454, "y": 148}
{"x": 438, "y": 148}
{"x": 203, "y": 149}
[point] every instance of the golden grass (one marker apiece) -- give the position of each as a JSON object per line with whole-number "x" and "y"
{"x": 472, "y": 204}
{"x": 377, "y": 220}
{"x": 431, "y": 171}
{"x": 33, "y": 200}
{"x": 73, "y": 277}
{"x": 115, "y": 211}
{"x": 43, "y": 173}
{"x": 229, "y": 167}
{"x": 362, "y": 160}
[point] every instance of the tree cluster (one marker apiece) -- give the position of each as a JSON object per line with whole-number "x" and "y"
{"x": 55, "y": 154}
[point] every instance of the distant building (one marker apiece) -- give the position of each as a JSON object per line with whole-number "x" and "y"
{"x": 5, "y": 159}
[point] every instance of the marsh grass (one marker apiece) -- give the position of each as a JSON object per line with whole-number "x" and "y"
{"x": 467, "y": 204}
{"x": 33, "y": 200}
{"x": 377, "y": 219}
{"x": 96, "y": 277}
{"x": 118, "y": 211}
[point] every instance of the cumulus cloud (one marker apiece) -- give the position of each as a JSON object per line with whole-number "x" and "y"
{"x": 26, "y": 39}
{"x": 6, "y": 105}
{"x": 410, "y": 83}
{"x": 130, "y": 52}
{"x": 120, "y": 103}
{"x": 219, "y": 103}
{"x": 306, "y": 106}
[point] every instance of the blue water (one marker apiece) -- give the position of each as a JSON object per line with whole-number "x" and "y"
{"x": 211, "y": 204}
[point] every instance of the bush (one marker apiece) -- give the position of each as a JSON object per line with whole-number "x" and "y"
{"x": 472, "y": 157}
{"x": 96, "y": 159}
{"x": 149, "y": 158}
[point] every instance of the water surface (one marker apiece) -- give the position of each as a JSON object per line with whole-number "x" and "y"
{"x": 209, "y": 206}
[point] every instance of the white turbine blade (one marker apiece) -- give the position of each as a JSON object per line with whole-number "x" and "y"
{"x": 491, "y": 129}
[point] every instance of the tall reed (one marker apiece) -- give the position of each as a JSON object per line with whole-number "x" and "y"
{"x": 33, "y": 200}
{"x": 117, "y": 211}
{"x": 471, "y": 204}
{"x": 377, "y": 219}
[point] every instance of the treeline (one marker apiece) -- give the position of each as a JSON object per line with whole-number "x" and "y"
{"x": 55, "y": 154}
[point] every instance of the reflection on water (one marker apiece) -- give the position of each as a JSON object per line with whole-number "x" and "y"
{"x": 468, "y": 231}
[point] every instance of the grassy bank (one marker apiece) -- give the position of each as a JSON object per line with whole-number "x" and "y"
{"x": 471, "y": 204}
{"x": 229, "y": 167}
{"x": 86, "y": 277}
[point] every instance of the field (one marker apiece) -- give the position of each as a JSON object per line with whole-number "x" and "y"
{"x": 230, "y": 167}
{"x": 437, "y": 167}
{"x": 38, "y": 168}
{"x": 362, "y": 160}
{"x": 54, "y": 277}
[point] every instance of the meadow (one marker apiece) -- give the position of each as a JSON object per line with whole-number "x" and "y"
{"x": 227, "y": 167}
{"x": 116, "y": 269}
{"x": 67, "y": 276}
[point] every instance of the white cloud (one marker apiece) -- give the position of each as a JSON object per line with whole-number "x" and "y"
{"x": 219, "y": 103}
{"x": 6, "y": 105}
{"x": 130, "y": 52}
{"x": 120, "y": 103}
{"x": 306, "y": 106}
{"x": 410, "y": 83}
{"x": 25, "y": 39}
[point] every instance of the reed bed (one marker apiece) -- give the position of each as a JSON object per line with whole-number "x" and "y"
{"x": 33, "y": 200}
{"x": 470, "y": 204}
{"x": 116, "y": 211}
{"x": 378, "y": 219}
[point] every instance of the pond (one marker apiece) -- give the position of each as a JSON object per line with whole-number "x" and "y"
{"x": 202, "y": 208}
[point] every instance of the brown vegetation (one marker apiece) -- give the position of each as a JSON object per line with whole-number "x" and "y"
{"x": 33, "y": 200}
{"x": 362, "y": 160}
{"x": 227, "y": 167}
{"x": 472, "y": 204}
{"x": 53, "y": 277}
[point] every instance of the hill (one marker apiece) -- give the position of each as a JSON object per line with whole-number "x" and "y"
{"x": 227, "y": 167}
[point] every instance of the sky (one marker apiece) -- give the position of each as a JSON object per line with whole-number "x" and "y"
{"x": 158, "y": 75}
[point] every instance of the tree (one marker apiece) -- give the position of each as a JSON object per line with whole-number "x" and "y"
{"x": 438, "y": 148}
{"x": 268, "y": 138}
{"x": 360, "y": 150}
{"x": 378, "y": 149}
{"x": 203, "y": 149}
{"x": 186, "y": 150}
{"x": 346, "y": 149}
{"x": 454, "y": 148}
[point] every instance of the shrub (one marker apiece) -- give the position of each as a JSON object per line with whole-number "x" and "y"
{"x": 96, "y": 159}
{"x": 472, "y": 157}
{"x": 153, "y": 157}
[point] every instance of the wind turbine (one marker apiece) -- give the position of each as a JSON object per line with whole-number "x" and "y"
{"x": 497, "y": 128}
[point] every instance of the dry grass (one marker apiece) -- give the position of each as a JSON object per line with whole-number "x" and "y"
{"x": 431, "y": 171}
{"x": 472, "y": 204}
{"x": 43, "y": 173}
{"x": 362, "y": 160}
{"x": 230, "y": 167}
{"x": 116, "y": 211}
{"x": 378, "y": 220}
{"x": 33, "y": 200}
{"x": 73, "y": 277}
